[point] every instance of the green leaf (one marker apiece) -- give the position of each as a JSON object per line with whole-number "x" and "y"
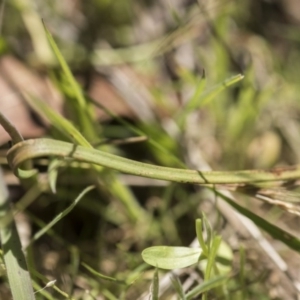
{"x": 58, "y": 121}
{"x": 81, "y": 106}
{"x": 199, "y": 231}
{"x": 169, "y": 258}
{"x": 66, "y": 69}
{"x": 214, "y": 91}
{"x": 15, "y": 262}
{"x": 53, "y": 173}
{"x": 207, "y": 285}
{"x": 24, "y": 174}
{"x": 61, "y": 215}
{"x": 193, "y": 102}
{"x": 209, "y": 231}
{"x": 223, "y": 260}
{"x": 200, "y": 99}
{"x": 108, "y": 278}
{"x": 276, "y": 232}
{"x": 212, "y": 256}
{"x": 178, "y": 287}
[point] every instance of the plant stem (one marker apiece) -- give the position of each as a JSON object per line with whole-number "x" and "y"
{"x": 46, "y": 147}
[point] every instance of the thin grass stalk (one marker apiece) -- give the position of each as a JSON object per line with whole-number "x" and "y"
{"x": 14, "y": 258}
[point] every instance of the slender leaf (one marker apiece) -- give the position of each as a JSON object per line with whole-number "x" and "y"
{"x": 58, "y": 121}
{"x": 83, "y": 114}
{"x": 53, "y": 173}
{"x": 206, "y": 286}
{"x": 214, "y": 91}
{"x": 200, "y": 237}
{"x": 105, "y": 277}
{"x": 155, "y": 286}
{"x": 121, "y": 191}
{"x": 15, "y": 263}
{"x": 61, "y": 215}
{"x": 212, "y": 256}
{"x": 178, "y": 287}
{"x": 66, "y": 69}
{"x": 206, "y": 97}
{"x": 208, "y": 230}
{"x": 193, "y": 102}
{"x": 276, "y": 232}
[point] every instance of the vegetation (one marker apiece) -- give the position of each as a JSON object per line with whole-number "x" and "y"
{"x": 121, "y": 111}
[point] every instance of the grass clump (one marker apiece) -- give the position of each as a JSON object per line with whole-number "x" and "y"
{"x": 117, "y": 182}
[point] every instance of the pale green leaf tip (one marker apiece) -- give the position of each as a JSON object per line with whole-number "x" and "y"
{"x": 25, "y": 174}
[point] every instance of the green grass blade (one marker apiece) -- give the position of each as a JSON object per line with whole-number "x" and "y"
{"x": 83, "y": 114}
{"x": 61, "y": 215}
{"x": 206, "y": 286}
{"x": 199, "y": 232}
{"x": 212, "y": 256}
{"x": 77, "y": 90}
{"x": 276, "y": 232}
{"x": 139, "y": 132}
{"x": 214, "y": 91}
{"x": 208, "y": 230}
{"x": 58, "y": 121}
{"x": 242, "y": 272}
{"x": 53, "y": 173}
{"x": 193, "y": 102}
{"x": 99, "y": 275}
{"x": 201, "y": 100}
{"x": 178, "y": 287}
{"x": 44, "y": 279}
{"x": 108, "y": 295}
{"x": 155, "y": 286}
{"x": 68, "y": 129}
{"x": 16, "y": 267}
{"x": 40, "y": 291}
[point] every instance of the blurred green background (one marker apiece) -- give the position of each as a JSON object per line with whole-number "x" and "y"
{"x": 161, "y": 66}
